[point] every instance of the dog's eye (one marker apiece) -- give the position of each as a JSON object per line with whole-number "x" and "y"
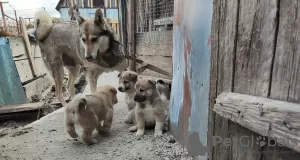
{"x": 94, "y": 39}
{"x": 125, "y": 81}
{"x": 83, "y": 39}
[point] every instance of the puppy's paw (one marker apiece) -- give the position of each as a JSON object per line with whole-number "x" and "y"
{"x": 139, "y": 133}
{"x": 158, "y": 134}
{"x": 91, "y": 142}
{"x": 74, "y": 136}
{"x": 133, "y": 129}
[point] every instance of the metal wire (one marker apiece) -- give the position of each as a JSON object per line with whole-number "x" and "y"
{"x": 154, "y": 21}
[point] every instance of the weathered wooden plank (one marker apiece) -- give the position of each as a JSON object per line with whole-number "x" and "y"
{"x": 41, "y": 69}
{"x": 227, "y": 32}
{"x": 24, "y": 70}
{"x": 18, "y": 49}
{"x": 155, "y": 43}
{"x": 158, "y": 61}
{"x": 280, "y": 153}
{"x": 213, "y": 74}
{"x": 28, "y": 47}
{"x": 36, "y": 87}
{"x": 285, "y": 85}
{"x": 267, "y": 117}
{"x": 20, "y": 108}
{"x": 255, "y": 47}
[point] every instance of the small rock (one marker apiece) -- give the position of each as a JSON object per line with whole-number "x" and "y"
{"x": 172, "y": 140}
{"x": 52, "y": 130}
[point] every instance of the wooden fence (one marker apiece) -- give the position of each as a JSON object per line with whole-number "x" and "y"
{"x": 254, "y": 52}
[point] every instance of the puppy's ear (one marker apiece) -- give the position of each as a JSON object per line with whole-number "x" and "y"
{"x": 99, "y": 18}
{"x": 113, "y": 90}
{"x": 170, "y": 86}
{"x": 78, "y": 18}
{"x": 160, "y": 81}
{"x": 152, "y": 82}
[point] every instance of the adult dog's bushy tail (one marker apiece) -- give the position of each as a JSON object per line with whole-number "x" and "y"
{"x": 43, "y": 25}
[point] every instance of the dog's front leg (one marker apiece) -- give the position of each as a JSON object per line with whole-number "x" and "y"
{"x": 107, "y": 122}
{"x": 92, "y": 75}
{"x": 71, "y": 130}
{"x": 87, "y": 136}
{"x": 158, "y": 128}
{"x": 129, "y": 118}
{"x": 140, "y": 122}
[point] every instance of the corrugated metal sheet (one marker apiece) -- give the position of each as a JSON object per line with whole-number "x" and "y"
{"x": 191, "y": 70}
{"x": 89, "y": 13}
{"x": 11, "y": 90}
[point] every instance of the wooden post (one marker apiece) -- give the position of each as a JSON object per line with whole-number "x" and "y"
{"x": 130, "y": 9}
{"x": 17, "y": 22}
{"x": 3, "y": 15}
{"x": 28, "y": 47}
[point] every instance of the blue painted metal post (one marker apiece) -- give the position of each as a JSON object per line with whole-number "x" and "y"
{"x": 191, "y": 72}
{"x": 11, "y": 89}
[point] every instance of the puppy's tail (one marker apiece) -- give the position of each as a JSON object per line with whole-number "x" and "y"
{"x": 43, "y": 24}
{"x": 79, "y": 101}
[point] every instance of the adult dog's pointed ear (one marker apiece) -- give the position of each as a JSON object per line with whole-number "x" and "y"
{"x": 78, "y": 18}
{"x": 99, "y": 18}
{"x": 152, "y": 82}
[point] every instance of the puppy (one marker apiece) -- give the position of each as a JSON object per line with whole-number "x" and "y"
{"x": 89, "y": 111}
{"x": 164, "y": 90}
{"x": 149, "y": 109}
{"x": 127, "y": 80}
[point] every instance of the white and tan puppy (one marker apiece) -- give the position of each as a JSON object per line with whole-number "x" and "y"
{"x": 89, "y": 111}
{"x": 149, "y": 108}
{"x": 127, "y": 80}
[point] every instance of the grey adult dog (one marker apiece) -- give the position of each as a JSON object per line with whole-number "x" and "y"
{"x": 89, "y": 42}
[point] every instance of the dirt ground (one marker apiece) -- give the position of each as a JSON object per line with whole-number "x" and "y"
{"x": 47, "y": 139}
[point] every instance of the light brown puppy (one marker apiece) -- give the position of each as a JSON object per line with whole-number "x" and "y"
{"x": 89, "y": 111}
{"x": 127, "y": 80}
{"x": 149, "y": 108}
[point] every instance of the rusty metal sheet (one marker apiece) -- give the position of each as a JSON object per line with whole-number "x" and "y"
{"x": 191, "y": 70}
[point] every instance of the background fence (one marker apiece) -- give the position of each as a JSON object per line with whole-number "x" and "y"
{"x": 154, "y": 33}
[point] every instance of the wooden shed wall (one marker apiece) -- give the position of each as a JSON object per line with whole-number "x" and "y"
{"x": 254, "y": 51}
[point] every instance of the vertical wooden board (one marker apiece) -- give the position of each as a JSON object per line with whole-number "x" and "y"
{"x": 255, "y": 47}
{"x": 213, "y": 74}
{"x": 294, "y": 88}
{"x": 285, "y": 50}
{"x": 228, "y": 14}
{"x": 228, "y": 32}
{"x": 243, "y": 143}
{"x": 280, "y": 153}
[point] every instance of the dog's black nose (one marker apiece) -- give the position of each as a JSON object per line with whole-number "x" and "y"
{"x": 120, "y": 89}
{"x": 89, "y": 58}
